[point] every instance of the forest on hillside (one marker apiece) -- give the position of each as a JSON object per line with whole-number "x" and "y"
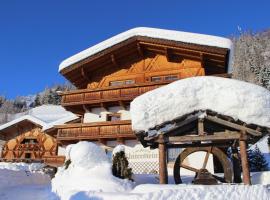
{"x": 251, "y": 63}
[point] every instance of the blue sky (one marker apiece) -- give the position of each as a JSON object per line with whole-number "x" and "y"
{"x": 35, "y": 36}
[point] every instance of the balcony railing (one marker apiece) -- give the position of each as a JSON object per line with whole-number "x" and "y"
{"x": 109, "y": 94}
{"x": 54, "y": 161}
{"x": 94, "y": 131}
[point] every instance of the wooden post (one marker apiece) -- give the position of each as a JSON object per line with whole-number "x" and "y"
{"x": 236, "y": 166}
{"x": 163, "y": 174}
{"x": 244, "y": 159}
{"x": 120, "y": 140}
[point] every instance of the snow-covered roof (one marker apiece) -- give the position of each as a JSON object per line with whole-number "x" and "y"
{"x": 179, "y": 36}
{"x": 240, "y": 100}
{"x": 46, "y": 116}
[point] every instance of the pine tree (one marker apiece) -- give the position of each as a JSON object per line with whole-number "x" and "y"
{"x": 120, "y": 167}
{"x": 37, "y": 101}
{"x": 257, "y": 161}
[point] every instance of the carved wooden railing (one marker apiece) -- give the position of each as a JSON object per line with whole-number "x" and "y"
{"x": 28, "y": 147}
{"x": 109, "y": 94}
{"x": 116, "y": 129}
{"x": 54, "y": 161}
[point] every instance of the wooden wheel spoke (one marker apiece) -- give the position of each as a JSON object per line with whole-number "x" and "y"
{"x": 221, "y": 179}
{"x": 206, "y": 158}
{"x": 189, "y": 168}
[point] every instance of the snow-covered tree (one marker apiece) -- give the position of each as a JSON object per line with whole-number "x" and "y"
{"x": 120, "y": 167}
{"x": 251, "y": 61}
{"x": 257, "y": 162}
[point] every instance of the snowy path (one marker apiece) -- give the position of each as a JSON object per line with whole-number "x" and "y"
{"x": 27, "y": 192}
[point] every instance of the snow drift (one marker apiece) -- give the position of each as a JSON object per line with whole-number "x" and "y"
{"x": 90, "y": 170}
{"x": 241, "y": 100}
{"x": 21, "y": 174}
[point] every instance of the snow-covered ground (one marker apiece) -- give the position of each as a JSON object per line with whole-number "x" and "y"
{"x": 89, "y": 177}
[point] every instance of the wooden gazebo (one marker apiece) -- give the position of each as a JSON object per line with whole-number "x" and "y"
{"x": 209, "y": 132}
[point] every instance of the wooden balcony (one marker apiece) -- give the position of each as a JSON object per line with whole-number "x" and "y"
{"x": 54, "y": 161}
{"x": 74, "y": 100}
{"x": 95, "y": 131}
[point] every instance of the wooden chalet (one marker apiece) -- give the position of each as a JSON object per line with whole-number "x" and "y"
{"x": 109, "y": 75}
{"x": 32, "y": 137}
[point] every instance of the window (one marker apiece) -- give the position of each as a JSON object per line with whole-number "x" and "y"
{"x": 156, "y": 79}
{"x": 164, "y": 78}
{"x": 29, "y": 141}
{"x": 171, "y": 78}
{"x": 129, "y": 82}
{"x": 124, "y": 82}
{"x": 27, "y": 155}
{"x": 116, "y": 83}
{"x": 114, "y": 117}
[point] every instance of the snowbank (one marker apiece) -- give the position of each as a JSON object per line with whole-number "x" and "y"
{"x": 21, "y": 166}
{"x": 18, "y": 174}
{"x": 187, "y": 192}
{"x": 240, "y": 100}
{"x": 262, "y": 178}
{"x": 90, "y": 170}
{"x": 179, "y": 36}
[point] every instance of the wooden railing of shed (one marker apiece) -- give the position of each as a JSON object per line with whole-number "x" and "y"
{"x": 94, "y": 131}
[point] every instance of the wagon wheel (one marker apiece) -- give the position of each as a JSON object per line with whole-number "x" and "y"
{"x": 220, "y": 155}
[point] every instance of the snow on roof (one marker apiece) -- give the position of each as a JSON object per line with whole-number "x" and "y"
{"x": 241, "y": 100}
{"x": 179, "y": 36}
{"x": 46, "y": 116}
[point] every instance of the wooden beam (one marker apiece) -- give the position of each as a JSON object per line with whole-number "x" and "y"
{"x": 102, "y": 105}
{"x": 236, "y": 165}
{"x": 120, "y": 140}
{"x": 84, "y": 74}
{"x": 244, "y": 161}
{"x": 186, "y": 145}
{"x": 114, "y": 61}
{"x": 163, "y": 173}
{"x": 102, "y": 141}
{"x": 122, "y": 104}
{"x": 233, "y": 125}
{"x": 202, "y": 60}
{"x": 168, "y": 54}
{"x": 200, "y": 127}
{"x": 140, "y": 50}
{"x": 219, "y": 136}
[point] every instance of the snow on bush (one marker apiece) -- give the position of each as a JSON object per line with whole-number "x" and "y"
{"x": 118, "y": 149}
{"x": 240, "y": 100}
{"x": 89, "y": 170}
